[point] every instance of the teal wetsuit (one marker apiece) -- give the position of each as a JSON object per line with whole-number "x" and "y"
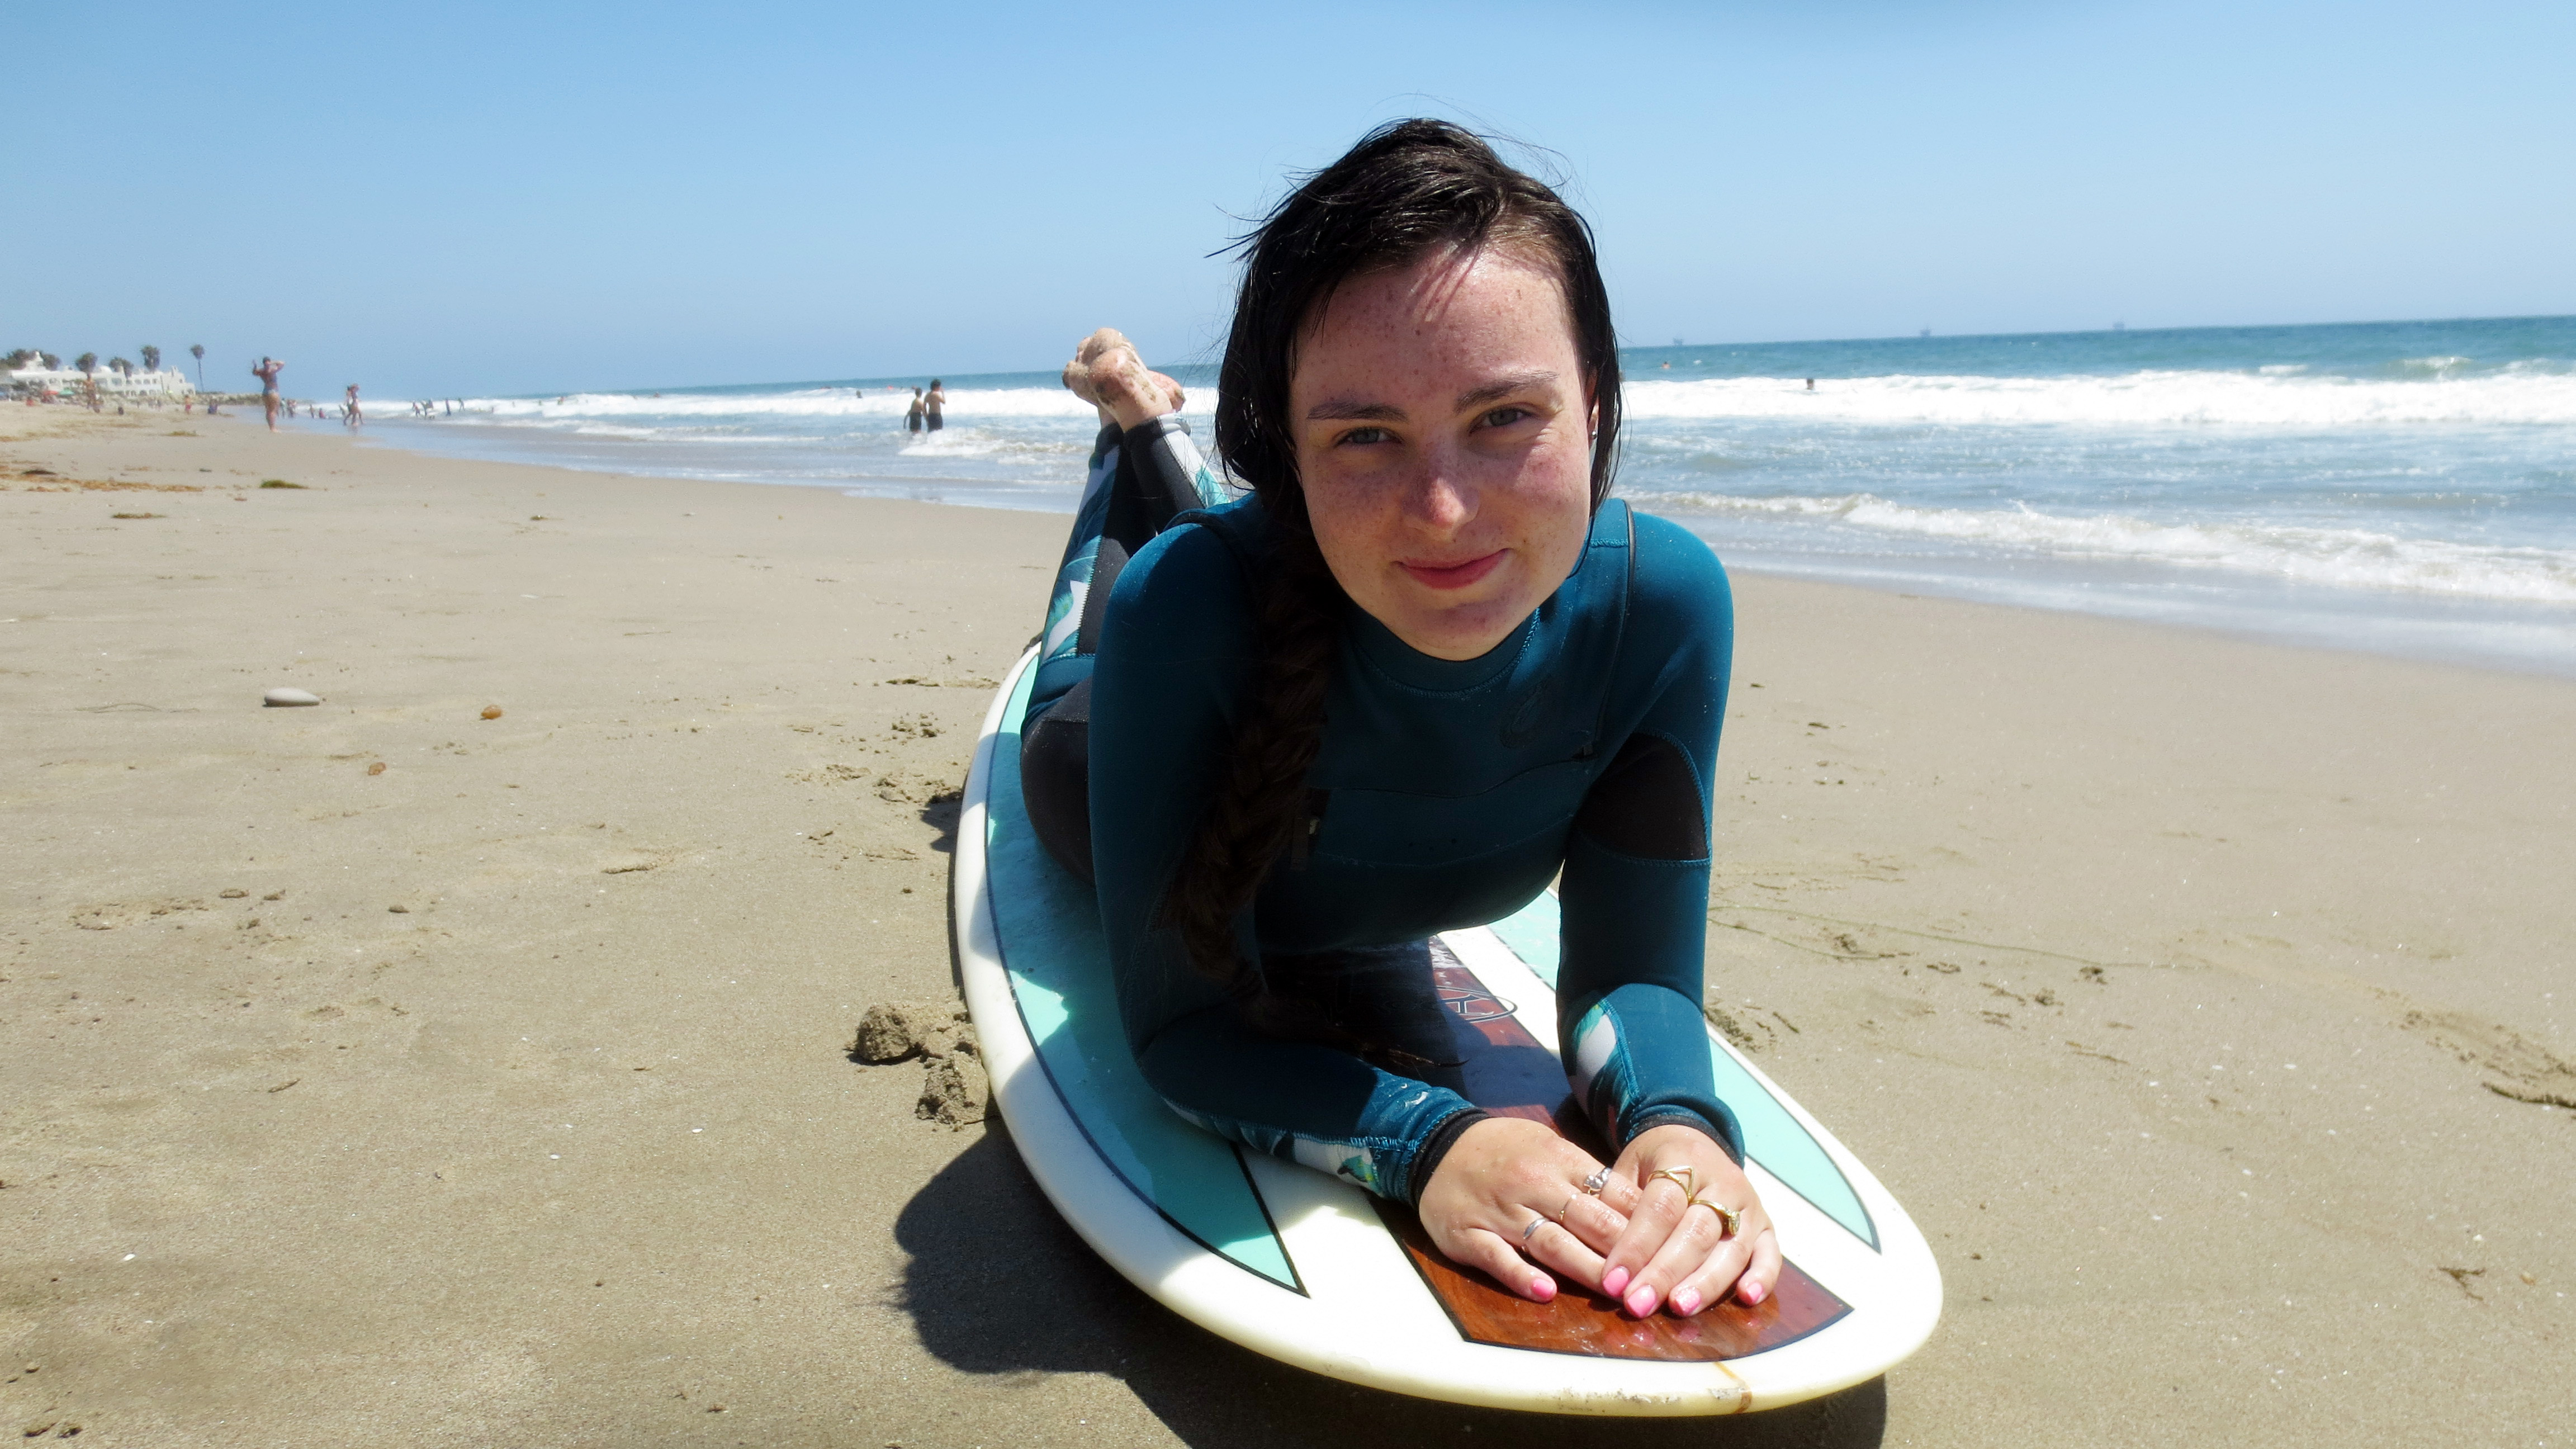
{"x": 1446, "y": 794}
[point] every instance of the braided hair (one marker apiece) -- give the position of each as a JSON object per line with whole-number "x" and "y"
{"x": 1408, "y": 190}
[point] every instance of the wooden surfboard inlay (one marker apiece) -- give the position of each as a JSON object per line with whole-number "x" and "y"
{"x": 1510, "y": 1073}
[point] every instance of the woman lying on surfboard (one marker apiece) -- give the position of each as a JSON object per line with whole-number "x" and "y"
{"x": 1427, "y": 667}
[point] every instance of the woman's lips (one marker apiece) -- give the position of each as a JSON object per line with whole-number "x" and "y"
{"x": 1454, "y": 576}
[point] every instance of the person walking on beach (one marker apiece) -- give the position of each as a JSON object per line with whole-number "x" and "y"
{"x": 350, "y": 416}
{"x": 912, "y": 416}
{"x": 266, "y": 372}
{"x": 1424, "y": 668}
{"x": 933, "y": 405}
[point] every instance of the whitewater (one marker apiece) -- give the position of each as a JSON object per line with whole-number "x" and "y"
{"x": 2405, "y": 487}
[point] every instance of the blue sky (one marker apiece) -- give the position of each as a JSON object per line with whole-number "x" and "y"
{"x": 467, "y": 199}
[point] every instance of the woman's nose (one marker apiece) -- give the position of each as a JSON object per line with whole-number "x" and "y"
{"x": 1439, "y": 498}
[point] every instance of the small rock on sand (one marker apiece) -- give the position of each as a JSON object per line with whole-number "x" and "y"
{"x": 280, "y": 698}
{"x": 894, "y": 1030}
{"x": 491, "y": 711}
{"x": 955, "y": 1091}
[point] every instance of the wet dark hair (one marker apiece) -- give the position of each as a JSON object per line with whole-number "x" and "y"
{"x": 1408, "y": 190}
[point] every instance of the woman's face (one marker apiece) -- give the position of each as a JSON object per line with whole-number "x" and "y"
{"x": 1444, "y": 430}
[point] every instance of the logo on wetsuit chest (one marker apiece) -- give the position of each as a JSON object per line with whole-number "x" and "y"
{"x": 1523, "y": 722}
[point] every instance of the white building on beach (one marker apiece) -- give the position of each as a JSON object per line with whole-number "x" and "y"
{"x": 67, "y": 381}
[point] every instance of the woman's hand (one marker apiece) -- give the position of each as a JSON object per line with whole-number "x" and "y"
{"x": 1107, "y": 373}
{"x": 1510, "y": 1188}
{"x": 1671, "y": 1253}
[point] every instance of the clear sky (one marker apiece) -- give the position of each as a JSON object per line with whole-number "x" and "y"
{"x": 465, "y": 199}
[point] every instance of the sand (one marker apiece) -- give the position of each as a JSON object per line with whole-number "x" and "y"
{"x": 2202, "y": 999}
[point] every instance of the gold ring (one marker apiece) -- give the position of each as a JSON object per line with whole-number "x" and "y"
{"x": 1569, "y": 1207}
{"x": 1731, "y": 1219}
{"x": 1680, "y": 1177}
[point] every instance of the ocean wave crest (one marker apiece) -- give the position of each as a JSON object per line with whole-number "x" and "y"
{"x": 2518, "y": 394}
{"x": 2340, "y": 557}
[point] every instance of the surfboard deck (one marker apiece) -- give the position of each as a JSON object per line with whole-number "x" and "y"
{"x": 1310, "y": 1269}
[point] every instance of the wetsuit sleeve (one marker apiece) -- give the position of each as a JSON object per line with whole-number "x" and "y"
{"x": 1176, "y": 653}
{"x": 1635, "y": 888}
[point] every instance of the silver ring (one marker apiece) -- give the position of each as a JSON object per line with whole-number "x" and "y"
{"x": 1532, "y": 1228}
{"x": 1599, "y": 1179}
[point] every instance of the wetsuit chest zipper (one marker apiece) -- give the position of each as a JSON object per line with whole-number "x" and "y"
{"x": 1309, "y": 826}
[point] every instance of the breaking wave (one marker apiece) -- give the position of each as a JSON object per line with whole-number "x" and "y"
{"x": 2342, "y": 557}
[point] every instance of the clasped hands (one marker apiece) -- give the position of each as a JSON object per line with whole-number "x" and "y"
{"x": 1512, "y": 1198}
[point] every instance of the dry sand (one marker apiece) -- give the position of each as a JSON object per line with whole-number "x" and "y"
{"x": 2202, "y": 999}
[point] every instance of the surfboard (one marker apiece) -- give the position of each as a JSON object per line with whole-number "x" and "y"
{"x": 1310, "y": 1269}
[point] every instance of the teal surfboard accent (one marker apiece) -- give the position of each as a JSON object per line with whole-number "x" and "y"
{"x": 1049, "y": 925}
{"x": 1534, "y": 933}
{"x": 1772, "y": 1137}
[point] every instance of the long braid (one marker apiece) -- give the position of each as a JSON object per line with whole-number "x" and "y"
{"x": 1254, "y": 814}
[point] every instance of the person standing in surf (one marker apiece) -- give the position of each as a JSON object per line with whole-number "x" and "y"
{"x": 266, "y": 372}
{"x": 912, "y": 415}
{"x": 1427, "y": 666}
{"x": 934, "y": 407}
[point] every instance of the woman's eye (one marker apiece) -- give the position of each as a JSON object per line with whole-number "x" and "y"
{"x": 1366, "y": 436}
{"x": 1504, "y": 417}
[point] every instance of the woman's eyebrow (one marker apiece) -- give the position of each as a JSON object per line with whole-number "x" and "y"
{"x": 1345, "y": 410}
{"x": 1504, "y": 387}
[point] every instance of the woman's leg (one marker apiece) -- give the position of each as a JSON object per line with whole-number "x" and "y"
{"x": 1139, "y": 480}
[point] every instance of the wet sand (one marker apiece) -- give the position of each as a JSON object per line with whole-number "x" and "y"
{"x": 2204, "y": 1000}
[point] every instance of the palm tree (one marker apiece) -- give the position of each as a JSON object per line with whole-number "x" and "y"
{"x": 120, "y": 367}
{"x": 87, "y": 362}
{"x": 23, "y": 356}
{"x": 151, "y": 358}
{"x": 197, "y": 350}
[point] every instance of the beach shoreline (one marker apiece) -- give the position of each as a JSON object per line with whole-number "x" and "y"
{"x": 2204, "y": 999}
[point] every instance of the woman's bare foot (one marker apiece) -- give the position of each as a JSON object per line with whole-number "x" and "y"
{"x": 1106, "y": 373}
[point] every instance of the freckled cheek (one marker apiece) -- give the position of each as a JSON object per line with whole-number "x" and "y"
{"x": 1351, "y": 499}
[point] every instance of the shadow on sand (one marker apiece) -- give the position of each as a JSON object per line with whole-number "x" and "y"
{"x": 1045, "y": 1303}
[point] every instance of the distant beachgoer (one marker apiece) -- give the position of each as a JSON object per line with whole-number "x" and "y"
{"x": 1811, "y": 384}
{"x": 350, "y": 415}
{"x": 933, "y": 405}
{"x": 912, "y": 418}
{"x": 266, "y": 372}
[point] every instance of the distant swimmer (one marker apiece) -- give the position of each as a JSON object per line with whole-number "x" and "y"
{"x": 266, "y": 372}
{"x": 933, "y": 405}
{"x": 1811, "y": 384}
{"x": 912, "y": 417}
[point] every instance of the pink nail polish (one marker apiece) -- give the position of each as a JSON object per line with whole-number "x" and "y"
{"x": 1686, "y": 1302}
{"x": 1613, "y": 1281}
{"x": 1543, "y": 1289}
{"x": 1641, "y": 1302}
{"x": 1752, "y": 1293}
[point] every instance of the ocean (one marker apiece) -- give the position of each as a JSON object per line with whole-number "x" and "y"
{"x": 2398, "y": 487}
